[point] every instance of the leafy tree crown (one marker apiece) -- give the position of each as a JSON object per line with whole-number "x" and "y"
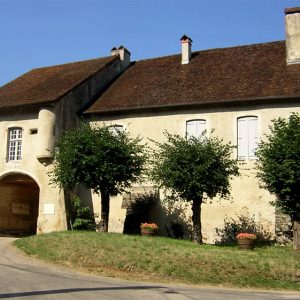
{"x": 279, "y": 163}
{"x": 98, "y": 158}
{"x": 194, "y": 166}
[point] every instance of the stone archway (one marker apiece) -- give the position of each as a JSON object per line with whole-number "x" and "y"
{"x": 19, "y": 203}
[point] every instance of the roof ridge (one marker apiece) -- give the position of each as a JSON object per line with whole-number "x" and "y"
{"x": 210, "y": 49}
{"x": 72, "y": 62}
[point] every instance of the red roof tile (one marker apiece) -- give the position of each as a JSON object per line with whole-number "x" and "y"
{"x": 216, "y": 75}
{"x": 49, "y": 84}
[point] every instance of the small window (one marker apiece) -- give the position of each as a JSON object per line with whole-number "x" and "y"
{"x": 247, "y": 137}
{"x": 33, "y": 131}
{"x": 195, "y": 128}
{"x": 116, "y": 129}
{"x": 14, "y": 148}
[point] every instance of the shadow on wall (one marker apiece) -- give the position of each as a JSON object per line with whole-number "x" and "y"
{"x": 243, "y": 222}
{"x": 174, "y": 218}
{"x": 140, "y": 210}
{"x": 170, "y": 215}
{"x": 86, "y": 196}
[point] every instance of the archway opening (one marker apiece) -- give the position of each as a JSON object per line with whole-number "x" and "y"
{"x": 19, "y": 205}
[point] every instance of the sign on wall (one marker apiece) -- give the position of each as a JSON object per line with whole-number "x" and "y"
{"x": 20, "y": 208}
{"x": 49, "y": 209}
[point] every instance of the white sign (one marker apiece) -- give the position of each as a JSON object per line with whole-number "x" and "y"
{"x": 48, "y": 209}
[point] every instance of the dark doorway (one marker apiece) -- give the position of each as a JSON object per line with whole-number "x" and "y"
{"x": 19, "y": 203}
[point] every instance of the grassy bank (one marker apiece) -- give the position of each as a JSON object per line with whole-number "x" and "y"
{"x": 167, "y": 260}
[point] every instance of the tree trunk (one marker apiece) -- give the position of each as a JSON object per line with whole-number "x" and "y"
{"x": 103, "y": 226}
{"x": 196, "y": 218}
{"x": 296, "y": 234}
{"x": 68, "y": 207}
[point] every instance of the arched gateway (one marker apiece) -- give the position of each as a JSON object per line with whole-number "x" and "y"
{"x": 19, "y": 203}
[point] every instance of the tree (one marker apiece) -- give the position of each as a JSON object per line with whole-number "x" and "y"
{"x": 100, "y": 158}
{"x": 193, "y": 169}
{"x": 279, "y": 168}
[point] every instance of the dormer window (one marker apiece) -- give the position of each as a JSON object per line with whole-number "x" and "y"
{"x": 14, "y": 148}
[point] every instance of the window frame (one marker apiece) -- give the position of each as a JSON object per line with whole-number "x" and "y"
{"x": 14, "y": 144}
{"x": 117, "y": 128}
{"x": 250, "y": 139}
{"x": 195, "y": 120}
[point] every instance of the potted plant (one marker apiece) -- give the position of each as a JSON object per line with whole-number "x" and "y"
{"x": 246, "y": 241}
{"x": 149, "y": 229}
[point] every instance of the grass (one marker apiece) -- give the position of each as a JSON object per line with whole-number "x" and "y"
{"x": 161, "y": 259}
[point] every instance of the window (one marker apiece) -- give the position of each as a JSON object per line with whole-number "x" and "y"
{"x": 33, "y": 131}
{"x": 115, "y": 129}
{"x": 195, "y": 128}
{"x": 14, "y": 144}
{"x": 247, "y": 137}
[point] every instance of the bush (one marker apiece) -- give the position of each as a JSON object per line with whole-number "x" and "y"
{"x": 242, "y": 223}
{"x": 81, "y": 217}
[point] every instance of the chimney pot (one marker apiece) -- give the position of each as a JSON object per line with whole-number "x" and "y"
{"x": 123, "y": 54}
{"x": 292, "y": 31}
{"x": 186, "y": 49}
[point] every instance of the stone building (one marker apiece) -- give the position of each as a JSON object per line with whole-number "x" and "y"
{"x": 34, "y": 110}
{"x": 236, "y": 91}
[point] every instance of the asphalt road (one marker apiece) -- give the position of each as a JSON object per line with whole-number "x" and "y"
{"x": 22, "y": 277}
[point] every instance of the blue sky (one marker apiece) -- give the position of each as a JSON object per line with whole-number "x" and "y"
{"x": 43, "y": 32}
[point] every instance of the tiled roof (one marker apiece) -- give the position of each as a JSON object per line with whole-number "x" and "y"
{"x": 212, "y": 76}
{"x": 49, "y": 84}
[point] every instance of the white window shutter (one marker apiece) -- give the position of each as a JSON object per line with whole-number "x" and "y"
{"x": 201, "y": 126}
{"x": 195, "y": 128}
{"x": 191, "y": 129}
{"x": 242, "y": 138}
{"x": 253, "y": 138}
{"x": 116, "y": 129}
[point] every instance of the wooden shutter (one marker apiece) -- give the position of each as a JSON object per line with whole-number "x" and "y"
{"x": 191, "y": 129}
{"x": 195, "y": 128}
{"x": 247, "y": 137}
{"x": 252, "y": 137}
{"x": 242, "y": 138}
{"x": 200, "y": 127}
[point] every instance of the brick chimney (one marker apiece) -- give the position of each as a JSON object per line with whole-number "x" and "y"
{"x": 186, "y": 49}
{"x": 123, "y": 54}
{"x": 292, "y": 32}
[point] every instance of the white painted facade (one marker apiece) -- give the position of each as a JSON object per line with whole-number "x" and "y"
{"x": 245, "y": 193}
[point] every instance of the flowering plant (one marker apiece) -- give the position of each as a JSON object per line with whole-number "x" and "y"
{"x": 149, "y": 226}
{"x": 246, "y": 236}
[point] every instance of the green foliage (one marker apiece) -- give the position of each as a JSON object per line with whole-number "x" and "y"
{"x": 193, "y": 169}
{"x": 242, "y": 223}
{"x": 98, "y": 158}
{"x": 195, "y": 166}
{"x": 81, "y": 217}
{"x": 278, "y": 164}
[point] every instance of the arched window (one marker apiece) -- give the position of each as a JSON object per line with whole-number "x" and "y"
{"x": 195, "y": 128}
{"x": 14, "y": 147}
{"x": 247, "y": 137}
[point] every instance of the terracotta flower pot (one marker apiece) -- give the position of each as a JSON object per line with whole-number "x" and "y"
{"x": 245, "y": 244}
{"x": 148, "y": 232}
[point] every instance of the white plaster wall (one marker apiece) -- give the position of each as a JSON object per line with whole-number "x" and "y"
{"x": 245, "y": 189}
{"x": 29, "y": 165}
